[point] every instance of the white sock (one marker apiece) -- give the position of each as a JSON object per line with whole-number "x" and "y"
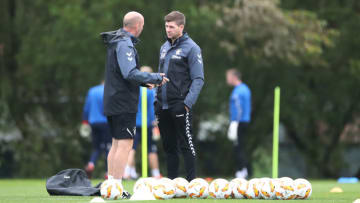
{"x": 127, "y": 171}
{"x": 245, "y": 172}
{"x": 119, "y": 180}
{"x": 238, "y": 174}
{"x": 133, "y": 173}
{"x": 242, "y": 174}
{"x": 155, "y": 172}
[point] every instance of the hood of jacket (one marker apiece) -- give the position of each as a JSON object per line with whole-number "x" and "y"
{"x": 116, "y": 35}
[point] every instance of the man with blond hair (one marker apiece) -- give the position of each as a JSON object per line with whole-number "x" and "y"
{"x": 121, "y": 92}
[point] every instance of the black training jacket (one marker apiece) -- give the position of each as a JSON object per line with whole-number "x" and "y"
{"x": 182, "y": 63}
{"x": 122, "y": 74}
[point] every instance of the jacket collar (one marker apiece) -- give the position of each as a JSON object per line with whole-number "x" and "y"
{"x": 178, "y": 40}
{"x": 134, "y": 39}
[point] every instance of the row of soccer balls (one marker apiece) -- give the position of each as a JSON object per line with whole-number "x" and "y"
{"x": 258, "y": 188}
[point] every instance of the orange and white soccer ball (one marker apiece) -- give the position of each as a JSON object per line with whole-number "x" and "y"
{"x": 284, "y": 188}
{"x": 220, "y": 189}
{"x": 253, "y": 191}
{"x": 111, "y": 189}
{"x": 163, "y": 188}
{"x": 198, "y": 188}
{"x": 180, "y": 187}
{"x": 303, "y": 188}
{"x": 239, "y": 187}
{"x": 143, "y": 184}
{"x": 267, "y": 188}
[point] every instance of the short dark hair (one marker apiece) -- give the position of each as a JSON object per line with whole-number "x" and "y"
{"x": 235, "y": 72}
{"x": 176, "y": 16}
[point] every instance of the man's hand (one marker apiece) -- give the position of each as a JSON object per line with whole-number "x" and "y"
{"x": 155, "y": 123}
{"x": 150, "y": 86}
{"x": 164, "y": 79}
{"x": 187, "y": 109}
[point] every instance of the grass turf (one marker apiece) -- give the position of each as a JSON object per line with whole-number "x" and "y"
{"x": 33, "y": 191}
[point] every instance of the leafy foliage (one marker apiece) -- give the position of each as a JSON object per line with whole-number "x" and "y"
{"x": 265, "y": 31}
{"x": 51, "y": 53}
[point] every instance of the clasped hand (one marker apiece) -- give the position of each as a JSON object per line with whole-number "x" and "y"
{"x": 164, "y": 80}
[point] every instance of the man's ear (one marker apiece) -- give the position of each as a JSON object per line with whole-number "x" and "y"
{"x": 182, "y": 27}
{"x": 138, "y": 25}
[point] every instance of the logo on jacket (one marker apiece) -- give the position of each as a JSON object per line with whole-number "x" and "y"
{"x": 199, "y": 58}
{"x": 178, "y": 51}
{"x": 163, "y": 54}
{"x": 176, "y": 57}
{"x": 129, "y": 56}
{"x": 177, "y": 54}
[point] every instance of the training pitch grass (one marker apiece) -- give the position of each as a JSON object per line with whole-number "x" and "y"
{"x": 34, "y": 191}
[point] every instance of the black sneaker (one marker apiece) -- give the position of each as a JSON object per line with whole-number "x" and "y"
{"x": 126, "y": 195}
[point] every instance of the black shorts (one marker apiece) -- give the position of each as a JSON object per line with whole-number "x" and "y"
{"x": 122, "y": 126}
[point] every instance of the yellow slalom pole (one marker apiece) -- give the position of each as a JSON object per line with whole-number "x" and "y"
{"x": 275, "y": 163}
{"x": 144, "y": 128}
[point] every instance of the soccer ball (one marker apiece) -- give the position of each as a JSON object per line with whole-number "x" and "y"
{"x": 220, "y": 189}
{"x": 163, "y": 188}
{"x": 278, "y": 189}
{"x": 267, "y": 188}
{"x": 180, "y": 187}
{"x": 239, "y": 187}
{"x": 198, "y": 188}
{"x": 303, "y": 188}
{"x": 289, "y": 188}
{"x": 143, "y": 184}
{"x": 143, "y": 189}
{"x": 111, "y": 189}
{"x": 284, "y": 188}
{"x": 253, "y": 191}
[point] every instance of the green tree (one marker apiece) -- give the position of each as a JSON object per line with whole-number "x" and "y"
{"x": 296, "y": 50}
{"x": 51, "y": 53}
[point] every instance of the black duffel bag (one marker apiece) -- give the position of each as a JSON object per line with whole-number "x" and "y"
{"x": 71, "y": 182}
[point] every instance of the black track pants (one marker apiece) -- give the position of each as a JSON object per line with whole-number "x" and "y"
{"x": 176, "y": 135}
{"x": 240, "y": 147}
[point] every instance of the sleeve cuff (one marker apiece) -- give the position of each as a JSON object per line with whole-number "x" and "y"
{"x": 159, "y": 78}
{"x": 187, "y": 104}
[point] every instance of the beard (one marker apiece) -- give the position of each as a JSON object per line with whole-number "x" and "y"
{"x": 175, "y": 36}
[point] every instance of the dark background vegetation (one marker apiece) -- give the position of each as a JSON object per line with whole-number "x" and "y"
{"x": 51, "y": 53}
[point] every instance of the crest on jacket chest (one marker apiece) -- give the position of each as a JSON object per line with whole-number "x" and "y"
{"x": 178, "y": 52}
